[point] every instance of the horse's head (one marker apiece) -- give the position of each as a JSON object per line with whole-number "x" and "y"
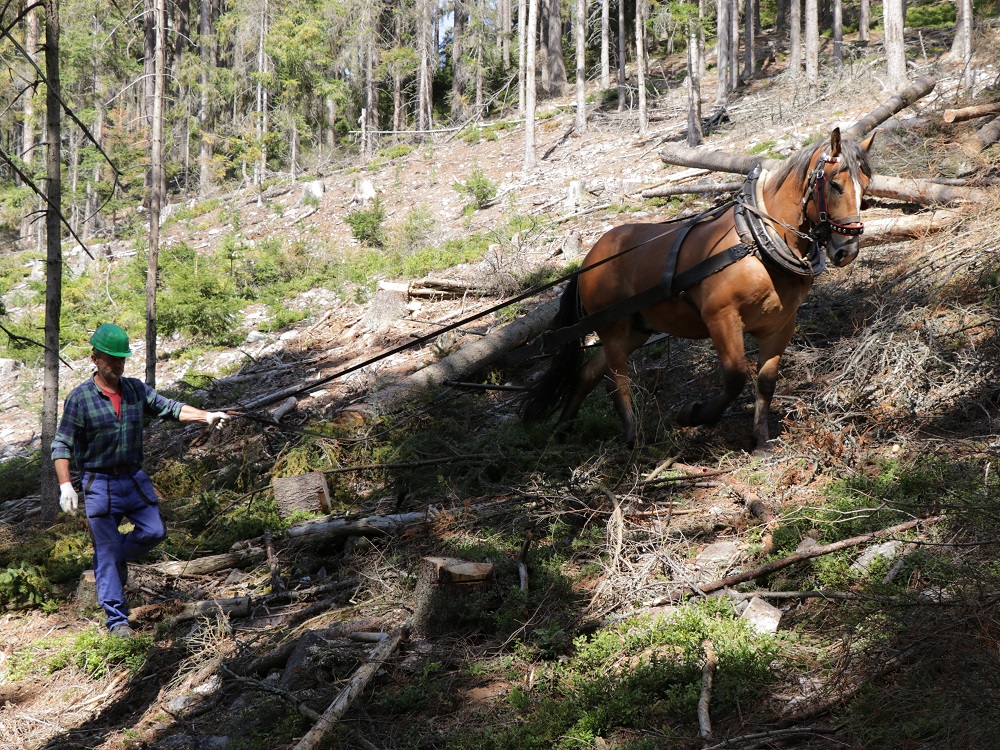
{"x": 838, "y": 178}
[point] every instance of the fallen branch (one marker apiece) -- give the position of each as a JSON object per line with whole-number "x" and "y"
{"x": 238, "y": 607}
{"x": 971, "y": 113}
{"x": 818, "y": 551}
{"x": 897, "y": 102}
{"x": 697, "y": 188}
{"x": 358, "y": 682}
{"x": 983, "y": 138}
{"x": 707, "y": 675}
{"x": 898, "y": 228}
{"x": 754, "y": 740}
{"x": 240, "y": 558}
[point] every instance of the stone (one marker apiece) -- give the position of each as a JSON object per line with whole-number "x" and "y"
{"x": 889, "y": 550}
{"x": 763, "y": 617}
{"x": 313, "y": 190}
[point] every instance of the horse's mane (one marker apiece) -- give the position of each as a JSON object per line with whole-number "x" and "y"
{"x": 853, "y": 159}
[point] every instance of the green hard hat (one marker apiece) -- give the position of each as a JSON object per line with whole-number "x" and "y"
{"x": 111, "y": 340}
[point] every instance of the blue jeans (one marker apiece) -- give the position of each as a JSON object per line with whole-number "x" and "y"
{"x": 108, "y": 498}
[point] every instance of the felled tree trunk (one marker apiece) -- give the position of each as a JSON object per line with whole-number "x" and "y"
{"x": 898, "y": 228}
{"x": 895, "y": 103}
{"x": 983, "y": 138}
{"x": 971, "y": 113}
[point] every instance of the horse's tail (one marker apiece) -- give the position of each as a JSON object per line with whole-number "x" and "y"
{"x": 553, "y": 389}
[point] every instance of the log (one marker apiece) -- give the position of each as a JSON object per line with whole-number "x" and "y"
{"x": 971, "y": 113}
{"x": 358, "y": 682}
{"x": 237, "y": 607}
{"x": 898, "y": 228}
{"x": 460, "y": 364}
{"x": 338, "y": 528}
{"x": 284, "y": 408}
{"x": 211, "y": 563}
{"x": 895, "y": 103}
{"x": 983, "y": 138}
{"x": 922, "y": 192}
{"x": 697, "y": 188}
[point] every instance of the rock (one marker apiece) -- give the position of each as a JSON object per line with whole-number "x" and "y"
{"x": 713, "y": 561}
{"x": 762, "y": 616}
{"x": 9, "y": 369}
{"x": 313, "y": 190}
{"x": 889, "y": 550}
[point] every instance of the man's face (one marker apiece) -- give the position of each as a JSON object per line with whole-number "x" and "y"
{"x": 109, "y": 368}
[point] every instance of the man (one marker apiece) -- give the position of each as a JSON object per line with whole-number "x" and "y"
{"x": 101, "y": 433}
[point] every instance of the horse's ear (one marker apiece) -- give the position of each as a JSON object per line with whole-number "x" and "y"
{"x": 835, "y": 143}
{"x": 866, "y": 144}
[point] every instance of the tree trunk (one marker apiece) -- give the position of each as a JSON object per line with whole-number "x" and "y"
{"x": 156, "y": 187}
{"x": 722, "y": 54}
{"x": 749, "y": 40}
{"x": 895, "y": 47}
{"x": 961, "y": 47}
{"x": 206, "y": 42}
{"x": 461, "y": 17}
{"x": 838, "y": 34}
{"x": 581, "y": 66}
{"x": 971, "y": 113}
{"x": 53, "y": 261}
{"x": 983, "y": 138}
{"x": 734, "y": 44}
{"x": 864, "y": 20}
{"x": 694, "y": 133}
{"x": 554, "y": 66}
{"x": 529, "y": 85}
{"x": 795, "y": 38}
{"x": 640, "y": 64}
{"x": 505, "y": 31}
{"x": 605, "y": 44}
{"x": 812, "y": 47}
{"x": 896, "y": 103}
{"x": 425, "y": 29}
{"x": 522, "y": 56}
{"x": 621, "y": 55}
{"x": 29, "y": 222}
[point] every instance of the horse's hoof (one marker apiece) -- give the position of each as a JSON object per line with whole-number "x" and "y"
{"x": 687, "y": 416}
{"x": 764, "y": 449}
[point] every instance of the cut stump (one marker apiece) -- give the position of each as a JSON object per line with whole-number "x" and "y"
{"x": 441, "y": 598}
{"x": 303, "y": 493}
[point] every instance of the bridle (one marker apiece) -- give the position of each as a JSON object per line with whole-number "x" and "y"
{"x": 816, "y": 187}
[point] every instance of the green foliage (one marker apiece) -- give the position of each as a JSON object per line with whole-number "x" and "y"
{"x": 24, "y": 585}
{"x": 196, "y": 300}
{"x": 933, "y": 15}
{"x": 478, "y": 187}
{"x": 366, "y": 224}
{"x": 94, "y": 651}
{"x": 18, "y": 477}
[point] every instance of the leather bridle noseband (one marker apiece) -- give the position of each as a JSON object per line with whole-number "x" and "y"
{"x": 848, "y": 226}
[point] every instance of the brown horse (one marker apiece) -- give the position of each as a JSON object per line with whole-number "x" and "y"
{"x": 743, "y": 268}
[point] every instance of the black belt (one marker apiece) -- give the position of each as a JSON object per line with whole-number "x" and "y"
{"x": 121, "y": 469}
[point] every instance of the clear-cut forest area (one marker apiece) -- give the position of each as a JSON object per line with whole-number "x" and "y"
{"x": 348, "y": 226}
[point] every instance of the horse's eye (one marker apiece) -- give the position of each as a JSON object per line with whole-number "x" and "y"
{"x": 865, "y": 204}
{"x": 837, "y": 187}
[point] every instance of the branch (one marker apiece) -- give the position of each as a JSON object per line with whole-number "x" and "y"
{"x": 707, "y": 675}
{"x": 15, "y": 337}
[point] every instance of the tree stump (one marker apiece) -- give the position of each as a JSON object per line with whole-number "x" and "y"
{"x": 303, "y": 493}
{"x": 86, "y": 594}
{"x": 441, "y": 598}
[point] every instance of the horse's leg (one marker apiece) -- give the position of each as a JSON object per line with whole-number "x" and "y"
{"x": 727, "y": 338}
{"x": 617, "y": 348}
{"x": 771, "y": 349}
{"x": 591, "y": 374}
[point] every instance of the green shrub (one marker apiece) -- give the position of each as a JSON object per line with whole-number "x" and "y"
{"x": 366, "y": 224}
{"x": 23, "y": 585}
{"x": 933, "y": 15}
{"x": 480, "y": 188}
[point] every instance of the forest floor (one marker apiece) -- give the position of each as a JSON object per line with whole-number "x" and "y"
{"x": 895, "y": 360}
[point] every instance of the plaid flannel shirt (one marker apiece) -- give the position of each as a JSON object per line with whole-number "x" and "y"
{"x": 92, "y": 436}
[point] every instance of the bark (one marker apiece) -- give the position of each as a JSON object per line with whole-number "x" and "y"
{"x": 971, "y": 113}
{"x": 531, "y": 35}
{"x": 812, "y": 46}
{"x": 899, "y": 228}
{"x": 795, "y": 37}
{"x": 722, "y": 55}
{"x": 28, "y": 223}
{"x": 211, "y": 563}
{"x": 581, "y": 66}
{"x": 640, "y": 64}
{"x": 749, "y": 39}
{"x": 327, "y": 722}
{"x": 461, "y": 17}
{"x": 236, "y": 607}
{"x": 156, "y": 187}
{"x": 864, "y": 20}
{"x": 425, "y": 29}
{"x": 961, "y": 47}
{"x": 704, "y": 700}
{"x": 522, "y": 56}
{"x": 53, "y": 261}
{"x": 605, "y": 44}
{"x": 838, "y": 34}
{"x": 896, "y": 103}
{"x": 895, "y": 47}
{"x": 698, "y": 188}
{"x": 621, "y": 55}
{"x": 554, "y": 76}
{"x": 694, "y": 132}
{"x": 985, "y": 137}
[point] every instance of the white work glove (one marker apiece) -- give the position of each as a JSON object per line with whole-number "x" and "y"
{"x": 217, "y": 418}
{"x": 68, "y": 499}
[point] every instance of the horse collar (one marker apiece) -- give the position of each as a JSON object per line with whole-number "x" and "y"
{"x": 754, "y": 228}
